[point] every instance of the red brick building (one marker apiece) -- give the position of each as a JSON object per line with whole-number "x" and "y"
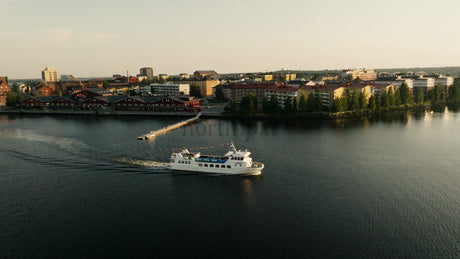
{"x": 172, "y": 104}
{"x": 45, "y": 90}
{"x": 4, "y": 89}
{"x": 95, "y": 103}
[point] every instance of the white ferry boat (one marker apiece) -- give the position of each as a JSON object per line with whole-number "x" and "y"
{"x": 234, "y": 162}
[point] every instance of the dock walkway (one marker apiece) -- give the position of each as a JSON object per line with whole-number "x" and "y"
{"x": 154, "y": 133}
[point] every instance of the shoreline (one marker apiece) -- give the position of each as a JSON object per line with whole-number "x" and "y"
{"x": 223, "y": 115}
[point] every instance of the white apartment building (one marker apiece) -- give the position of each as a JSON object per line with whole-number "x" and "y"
{"x": 170, "y": 89}
{"x": 282, "y": 93}
{"x": 425, "y": 82}
{"x": 446, "y": 81}
{"x": 50, "y": 74}
{"x": 398, "y": 82}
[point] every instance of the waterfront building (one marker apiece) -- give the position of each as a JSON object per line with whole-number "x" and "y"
{"x": 283, "y": 92}
{"x": 258, "y": 89}
{"x": 200, "y": 74}
{"x": 146, "y": 72}
{"x": 145, "y": 89}
{"x": 328, "y": 93}
{"x": 177, "y": 103}
{"x": 50, "y": 74}
{"x": 367, "y": 89}
{"x": 4, "y": 89}
{"x": 427, "y": 83}
{"x": 446, "y": 81}
{"x": 363, "y": 74}
{"x": 397, "y": 82}
{"x": 227, "y": 90}
{"x": 95, "y": 102}
{"x": 50, "y": 102}
{"x": 381, "y": 88}
{"x": 170, "y": 89}
{"x": 206, "y": 85}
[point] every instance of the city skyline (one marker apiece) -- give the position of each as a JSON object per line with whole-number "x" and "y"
{"x": 101, "y": 38}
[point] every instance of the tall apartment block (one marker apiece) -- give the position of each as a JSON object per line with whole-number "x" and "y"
{"x": 146, "y": 71}
{"x": 50, "y": 74}
{"x": 363, "y": 74}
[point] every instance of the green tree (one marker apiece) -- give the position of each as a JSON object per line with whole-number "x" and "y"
{"x": 349, "y": 95}
{"x": 274, "y": 104}
{"x": 384, "y": 100}
{"x": 355, "y": 101}
{"x": 19, "y": 98}
{"x": 339, "y": 104}
{"x": 302, "y": 103}
{"x": 10, "y": 99}
{"x": 372, "y": 103}
{"x": 58, "y": 91}
{"x": 419, "y": 95}
{"x": 266, "y": 105}
{"x": 362, "y": 101}
{"x": 349, "y": 77}
{"x": 195, "y": 91}
{"x": 436, "y": 95}
{"x": 294, "y": 105}
{"x": 248, "y": 105}
{"x": 404, "y": 94}
{"x": 288, "y": 105}
{"x": 220, "y": 93}
{"x": 311, "y": 102}
{"x": 397, "y": 98}
{"x": 318, "y": 101}
{"x": 390, "y": 97}
{"x": 15, "y": 87}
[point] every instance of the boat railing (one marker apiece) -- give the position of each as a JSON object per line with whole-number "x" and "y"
{"x": 257, "y": 165}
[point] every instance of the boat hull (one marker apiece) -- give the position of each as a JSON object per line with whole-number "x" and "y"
{"x": 222, "y": 171}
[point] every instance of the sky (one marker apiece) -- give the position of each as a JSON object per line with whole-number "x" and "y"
{"x": 99, "y": 38}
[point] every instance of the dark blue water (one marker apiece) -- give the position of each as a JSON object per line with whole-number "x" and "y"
{"x": 85, "y": 187}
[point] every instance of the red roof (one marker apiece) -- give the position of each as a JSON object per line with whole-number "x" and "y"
{"x": 284, "y": 88}
{"x": 256, "y": 86}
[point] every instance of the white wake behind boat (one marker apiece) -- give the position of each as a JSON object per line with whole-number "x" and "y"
{"x": 233, "y": 162}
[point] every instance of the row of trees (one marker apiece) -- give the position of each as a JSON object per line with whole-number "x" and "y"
{"x": 350, "y": 101}
{"x": 13, "y": 99}
{"x": 249, "y": 105}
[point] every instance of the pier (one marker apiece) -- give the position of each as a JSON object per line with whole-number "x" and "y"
{"x": 153, "y": 134}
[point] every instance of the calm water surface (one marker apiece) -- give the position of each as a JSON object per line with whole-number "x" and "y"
{"x": 84, "y": 186}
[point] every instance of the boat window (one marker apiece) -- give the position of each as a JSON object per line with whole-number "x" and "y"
{"x": 205, "y": 165}
{"x": 229, "y": 166}
{"x": 200, "y": 164}
{"x": 211, "y": 165}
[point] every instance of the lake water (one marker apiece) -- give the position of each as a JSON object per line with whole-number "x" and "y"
{"x": 85, "y": 187}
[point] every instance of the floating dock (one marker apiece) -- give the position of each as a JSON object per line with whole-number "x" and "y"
{"x": 153, "y": 134}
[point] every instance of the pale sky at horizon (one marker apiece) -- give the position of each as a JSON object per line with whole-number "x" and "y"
{"x": 104, "y": 37}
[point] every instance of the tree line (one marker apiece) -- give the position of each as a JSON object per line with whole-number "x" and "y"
{"x": 349, "y": 101}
